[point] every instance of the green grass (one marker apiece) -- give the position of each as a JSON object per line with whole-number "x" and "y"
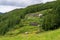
{"x": 21, "y": 30}
{"x": 49, "y": 35}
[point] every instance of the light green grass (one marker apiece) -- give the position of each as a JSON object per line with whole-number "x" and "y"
{"x": 49, "y": 35}
{"x": 24, "y": 29}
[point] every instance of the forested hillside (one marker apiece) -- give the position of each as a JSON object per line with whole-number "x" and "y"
{"x": 13, "y": 19}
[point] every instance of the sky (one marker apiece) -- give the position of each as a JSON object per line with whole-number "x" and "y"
{"x": 8, "y": 5}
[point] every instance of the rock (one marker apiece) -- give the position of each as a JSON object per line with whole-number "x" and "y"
{"x": 26, "y": 32}
{"x": 34, "y": 24}
{"x": 40, "y": 15}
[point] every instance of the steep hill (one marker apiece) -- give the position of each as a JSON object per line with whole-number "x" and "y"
{"x": 35, "y": 22}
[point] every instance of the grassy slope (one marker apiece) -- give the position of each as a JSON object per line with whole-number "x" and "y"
{"x": 49, "y": 35}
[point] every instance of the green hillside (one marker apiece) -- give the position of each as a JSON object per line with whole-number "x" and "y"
{"x": 35, "y": 22}
{"x": 19, "y": 33}
{"x": 29, "y": 24}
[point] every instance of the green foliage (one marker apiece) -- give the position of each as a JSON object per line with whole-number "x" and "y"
{"x": 49, "y": 22}
{"x": 52, "y": 20}
{"x": 39, "y": 7}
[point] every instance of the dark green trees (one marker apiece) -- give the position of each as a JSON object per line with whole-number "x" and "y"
{"x": 52, "y": 19}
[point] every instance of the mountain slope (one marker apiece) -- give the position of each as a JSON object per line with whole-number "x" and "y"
{"x": 25, "y": 23}
{"x": 30, "y": 23}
